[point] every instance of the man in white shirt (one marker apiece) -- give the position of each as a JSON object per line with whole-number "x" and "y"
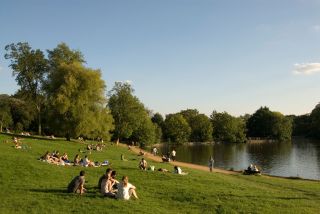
{"x": 173, "y": 155}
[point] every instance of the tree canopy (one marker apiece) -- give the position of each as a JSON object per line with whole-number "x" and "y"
{"x": 176, "y": 128}
{"x": 267, "y": 124}
{"x": 132, "y": 121}
{"x": 227, "y": 128}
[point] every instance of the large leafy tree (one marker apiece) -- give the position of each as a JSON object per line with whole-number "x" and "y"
{"x": 5, "y": 111}
{"x": 132, "y": 121}
{"x": 201, "y": 128}
{"x": 176, "y": 128}
{"x": 227, "y": 128}
{"x": 315, "y": 122}
{"x": 77, "y": 102}
{"x": 267, "y": 124}
{"x": 30, "y": 67}
{"x": 301, "y": 125}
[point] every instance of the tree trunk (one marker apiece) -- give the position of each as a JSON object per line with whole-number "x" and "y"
{"x": 39, "y": 121}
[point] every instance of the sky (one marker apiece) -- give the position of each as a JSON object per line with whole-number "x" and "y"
{"x": 229, "y": 55}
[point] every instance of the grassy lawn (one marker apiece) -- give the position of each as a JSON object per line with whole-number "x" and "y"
{"x": 31, "y": 186}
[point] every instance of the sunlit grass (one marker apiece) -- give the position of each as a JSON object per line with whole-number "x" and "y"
{"x": 31, "y": 186}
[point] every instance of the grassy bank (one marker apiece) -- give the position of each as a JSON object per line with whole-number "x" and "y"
{"x": 30, "y": 186}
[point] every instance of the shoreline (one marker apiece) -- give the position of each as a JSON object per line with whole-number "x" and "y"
{"x": 150, "y": 156}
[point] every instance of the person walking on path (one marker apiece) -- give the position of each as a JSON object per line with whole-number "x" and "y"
{"x": 173, "y": 155}
{"x": 211, "y": 163}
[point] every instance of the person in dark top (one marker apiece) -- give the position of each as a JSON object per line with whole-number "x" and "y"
{"x": 77, "y": 184}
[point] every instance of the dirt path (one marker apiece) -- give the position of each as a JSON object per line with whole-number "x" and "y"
{"x": 150, "y": 156}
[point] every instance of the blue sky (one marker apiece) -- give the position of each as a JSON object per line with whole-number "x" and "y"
{"x": 232, "y": 56}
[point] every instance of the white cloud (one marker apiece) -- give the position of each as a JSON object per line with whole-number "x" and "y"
{"x": 126, "y": 81}
{"x": 306, "y": 68}
{"x": 316, "y": 28}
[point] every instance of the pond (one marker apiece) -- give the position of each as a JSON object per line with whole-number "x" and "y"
{"x": 298, "y": 158}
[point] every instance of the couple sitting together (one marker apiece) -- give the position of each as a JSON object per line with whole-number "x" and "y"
{"x": 112, "y": 188}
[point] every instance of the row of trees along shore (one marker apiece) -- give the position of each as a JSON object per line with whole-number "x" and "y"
{"x": 60, "y": 96}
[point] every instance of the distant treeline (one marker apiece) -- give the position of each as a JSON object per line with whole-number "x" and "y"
{"x": 60, "y": 96}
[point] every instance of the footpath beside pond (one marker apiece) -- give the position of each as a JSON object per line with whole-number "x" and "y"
{"x": 150, "y": 156}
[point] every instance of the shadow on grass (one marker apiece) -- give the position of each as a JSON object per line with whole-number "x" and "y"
{"x": 91, "y": 193}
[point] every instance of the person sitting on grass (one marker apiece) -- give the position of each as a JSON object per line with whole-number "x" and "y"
{"x": 76, "y": 160}
{"x": 251, "y": 170}
{"x": 77, "y": 184}
{"x": 114, "y": 180}
{"x": 143, "y": 164}
{"x": 165, "y": 158}
{"x": 178, "y": 170}
{"x": 126, "y": 190}
{"x": 65, "y": 158}
{"x": 141, "y": 153}
{"x": 106, "y": 186}
{"x": 108, "y": 173}
{"x": 86, "y": 162}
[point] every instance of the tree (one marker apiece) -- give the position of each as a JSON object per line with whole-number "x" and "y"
{"x": 5, "y": 112}
{"x": 271, "y": 125}
{"x": 189, "y": 114}
{"x": 30, "y": 68}
{"x": 315, "y": 122}
{"x": 176, "y": 128}
{"x": 157, "y": 119}
{"x": 77, "y": 102}
{"x": 301, "y": 125}
{"x": 23, "y": 114}
{"x": 201, "y": 129}
{"x": 132, "y": 121}
{"x": 227, "y": 128}
{"x": 63, "y": 54}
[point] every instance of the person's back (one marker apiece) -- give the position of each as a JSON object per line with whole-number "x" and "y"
{"x": 76, "y": 185}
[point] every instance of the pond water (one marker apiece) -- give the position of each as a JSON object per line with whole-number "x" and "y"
{"x": 300, "y": 157}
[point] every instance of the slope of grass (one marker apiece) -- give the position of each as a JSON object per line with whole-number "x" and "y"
{"x": 31, "y": 186}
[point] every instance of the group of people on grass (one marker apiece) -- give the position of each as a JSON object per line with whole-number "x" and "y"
{"x": 108, "y": 185}
{"x": 143, "y": 165}
{"x": 63, "y": 160}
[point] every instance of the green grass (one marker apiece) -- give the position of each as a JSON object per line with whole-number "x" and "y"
{"x": 31, "y": 186}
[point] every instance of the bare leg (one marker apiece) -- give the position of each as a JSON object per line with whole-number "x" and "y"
{"x": 132, "y": 192}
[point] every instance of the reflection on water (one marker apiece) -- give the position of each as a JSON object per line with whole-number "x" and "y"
{"x": 300, "y": 157}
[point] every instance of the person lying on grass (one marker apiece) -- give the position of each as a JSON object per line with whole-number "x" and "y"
{"x": 126, "y": 190}
{"x": 77, "y": 184}
{"x": 49, "y": 158}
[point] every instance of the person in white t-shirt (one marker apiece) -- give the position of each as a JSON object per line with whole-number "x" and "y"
{"x": 126, "y": 190}
{"x": 173, "y": 155}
